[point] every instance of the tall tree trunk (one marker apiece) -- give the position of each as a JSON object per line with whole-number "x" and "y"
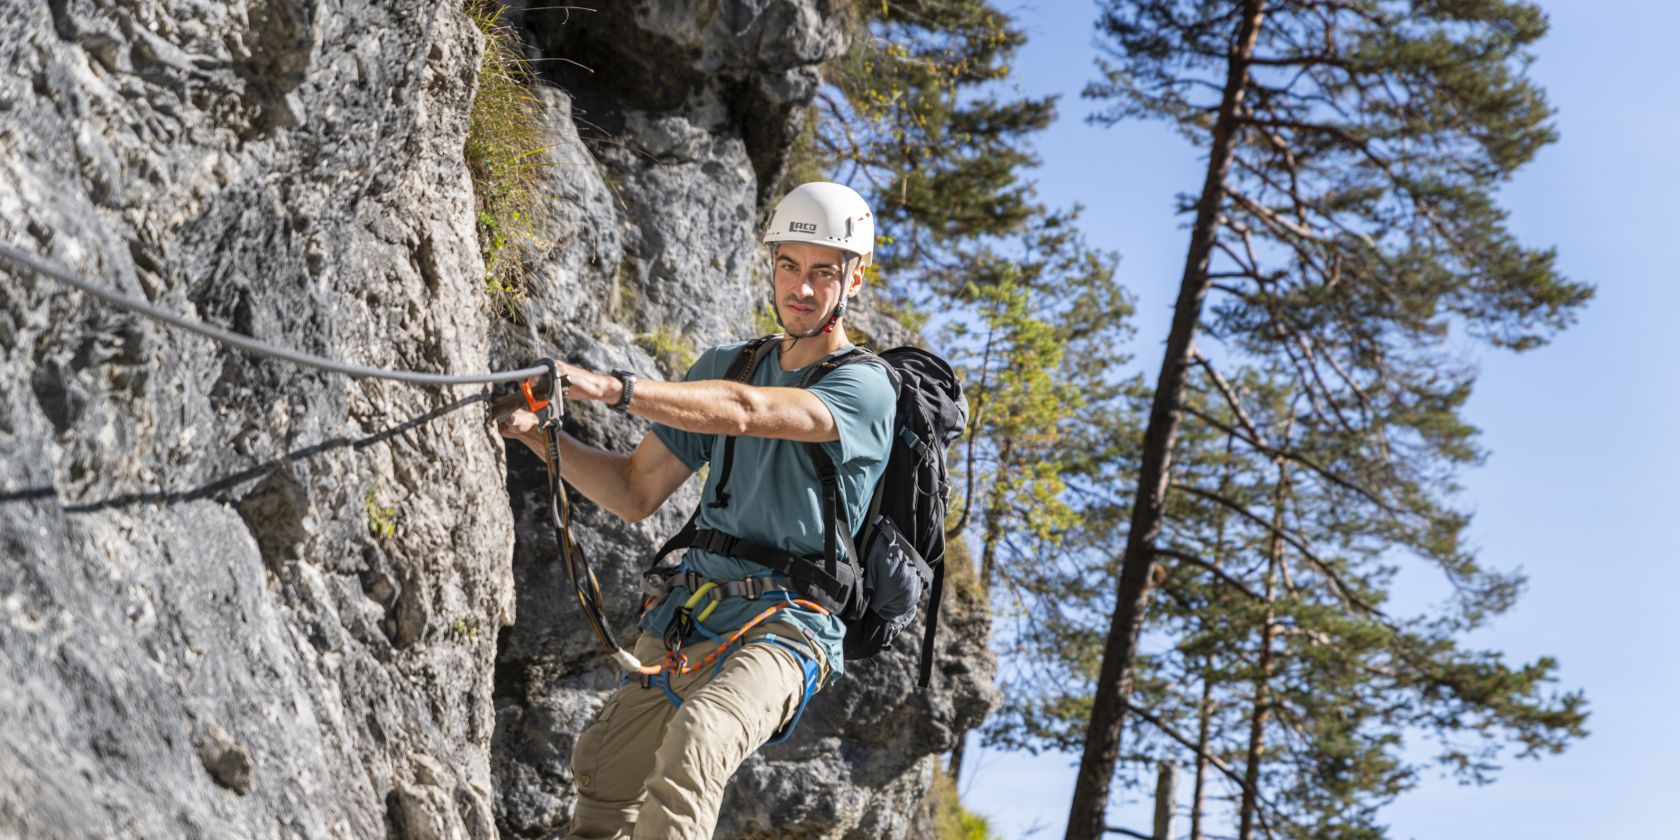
{"x": 1204, "y": 711}
{"x": 957, "y": 756}
{"x": 1088, "y": 812}
{"x": 996, "y": 507}
{"x": 1263, "y": 675}
{"x": 1204, "y": 723}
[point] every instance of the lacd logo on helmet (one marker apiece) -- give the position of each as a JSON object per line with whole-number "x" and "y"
{"x": 801, "y": 227}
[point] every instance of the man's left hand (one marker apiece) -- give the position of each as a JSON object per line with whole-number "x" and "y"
{"x": 587, "y": 385}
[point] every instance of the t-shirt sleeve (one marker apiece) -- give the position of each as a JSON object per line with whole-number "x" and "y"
{"x": 692, "y": 448}
{"x": 860, "y": 398}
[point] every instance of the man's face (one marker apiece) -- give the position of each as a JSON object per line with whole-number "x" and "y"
{"x": 809, "y": 281}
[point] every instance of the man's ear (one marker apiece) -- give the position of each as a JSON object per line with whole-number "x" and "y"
{"x": 855, "y": 282}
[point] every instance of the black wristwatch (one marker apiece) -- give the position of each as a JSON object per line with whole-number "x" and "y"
{"x": 629, "y": 380}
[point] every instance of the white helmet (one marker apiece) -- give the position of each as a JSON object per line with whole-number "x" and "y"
{"x": 827, "y": 214}
{"x": 824, "y": 213}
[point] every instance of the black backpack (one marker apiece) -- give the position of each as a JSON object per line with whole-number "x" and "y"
{"x": 899, "y": 550}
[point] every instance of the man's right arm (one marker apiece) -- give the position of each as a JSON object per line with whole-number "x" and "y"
{"x": 630, "y": 486}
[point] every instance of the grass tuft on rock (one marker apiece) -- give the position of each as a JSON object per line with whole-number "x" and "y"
{"x": 674, "y": 352}
{"x": 381, "y": 520}
{"x": 507, "y": 145}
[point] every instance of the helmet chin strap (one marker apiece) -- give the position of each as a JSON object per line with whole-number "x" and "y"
{"x": 839, "y": 311}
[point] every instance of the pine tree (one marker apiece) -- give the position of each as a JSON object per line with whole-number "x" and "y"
{"x": 1285, "y": 693}
{"x": 913, "y": 117}
{"x": 1010, "y": 457}
{"x": 1347, "y": 224}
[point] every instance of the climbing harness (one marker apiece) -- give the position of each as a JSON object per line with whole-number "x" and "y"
{"x": 677, "y": 664}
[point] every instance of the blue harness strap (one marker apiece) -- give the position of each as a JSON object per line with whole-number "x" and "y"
{"x": 661, "y": 679}
{"x": 810, "y": 667}
{"x": 766, "y": 586}
{"x": 813, "y": 674}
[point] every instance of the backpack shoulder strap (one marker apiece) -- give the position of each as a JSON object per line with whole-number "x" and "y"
{"x": 740, "y": 370}
{"x": 924, "y": 670}
{"x": 836, "y": 532}
{"x": 851, "y": 355}
{"x": 683, "y": 538}
{"x": 746, "y": 359}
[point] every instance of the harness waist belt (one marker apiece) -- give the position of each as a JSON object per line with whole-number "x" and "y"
{"x": 806, "y": 575}
{"x": 750, "y": 588}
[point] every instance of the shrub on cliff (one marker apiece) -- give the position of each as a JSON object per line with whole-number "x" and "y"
{"x": 506, "y": 145}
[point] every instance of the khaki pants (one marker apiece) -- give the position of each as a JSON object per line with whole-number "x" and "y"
{"x": 648, "y": 769}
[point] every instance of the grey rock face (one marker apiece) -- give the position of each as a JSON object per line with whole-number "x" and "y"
{"x": 242, "y": 598}
{"x": 201, "y": 634}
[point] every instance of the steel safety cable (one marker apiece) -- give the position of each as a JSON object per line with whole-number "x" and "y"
{"x": 585, "y": 584}
{"x": 244, "y": 342}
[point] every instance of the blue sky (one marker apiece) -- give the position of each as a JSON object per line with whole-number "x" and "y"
{"x": 1579, "y": 490}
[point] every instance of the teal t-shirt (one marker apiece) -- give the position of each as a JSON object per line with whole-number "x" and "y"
{"x": 774, "y": 495}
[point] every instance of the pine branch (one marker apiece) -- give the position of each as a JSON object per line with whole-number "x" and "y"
{"x": 1297, "y": 458}
{"x": 1255, "y": 436}
{"x": 1214, "y": 760}
{"x": 1211, "y": 568}
{"x": 1338, "y": 586}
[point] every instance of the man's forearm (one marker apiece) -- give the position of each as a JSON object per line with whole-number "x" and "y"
{"x": 713, "y": 406}
{"x": 707, "y": 407}
{"x": 721, "y": 407}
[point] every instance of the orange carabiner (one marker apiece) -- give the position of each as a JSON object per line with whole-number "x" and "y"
{"x": 531, "y": 400}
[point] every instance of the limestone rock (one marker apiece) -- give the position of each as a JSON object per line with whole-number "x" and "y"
{"x": 185, "y": 528}
{"x": 227, "y": 760}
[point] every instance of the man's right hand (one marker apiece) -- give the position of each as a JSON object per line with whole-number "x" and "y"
{"x": 523, "y": 426}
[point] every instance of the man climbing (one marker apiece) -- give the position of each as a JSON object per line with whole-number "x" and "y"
{"x": 734, "y": 648}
